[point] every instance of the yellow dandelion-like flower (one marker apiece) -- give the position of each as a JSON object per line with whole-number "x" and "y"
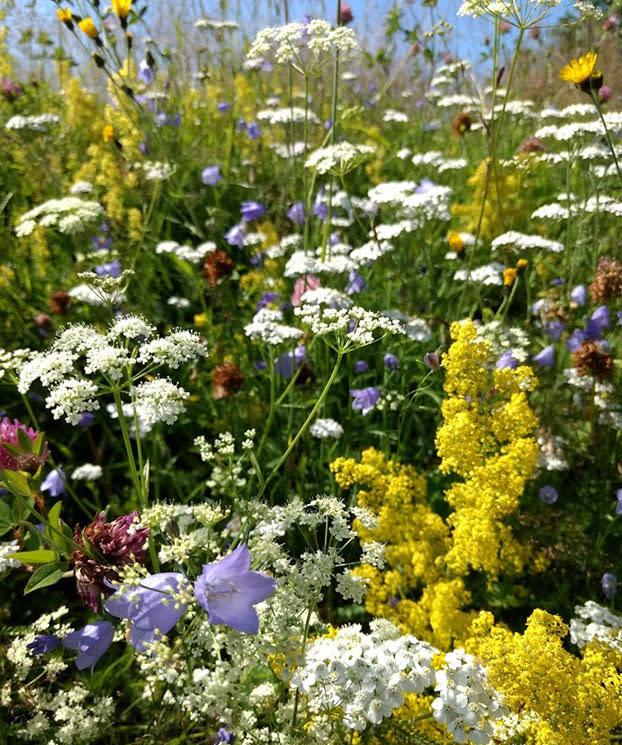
{"x": 509, "y": 275}
{"x": 64, "y": 15}
{"x": 89, "y": 28}
{"x": 582, "y": 72}
{"x": 122, "y": 8}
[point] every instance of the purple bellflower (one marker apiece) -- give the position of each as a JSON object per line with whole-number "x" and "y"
{"x": 390, "y": 361}
{"x": 43, "y": 643}
{"x": 228, "y": 589}
{"x": 360, "y": 366}
{"x": 296, "y": 213}
{"x": 252, "y": 211}
{"x": 619, "y": 504}
{"x": 545, "y": 358}
{"x": 364, "y": 399}
{"x": 149, "y": 607}
{"x": 145, "y": 73}
{"x": 575, "y": 340}
{"x": 548, "y": 494}
{"x": 253, "y": 130}
{"x": 287, "y": 363}
{"x": 90, "y": 643}
{"x": 356, "y": 283}
{"x": 235, "y": 236}
{"x": 224, "y": 738}
{"x": 610, "y": 585}
{"x": 109, "y": 269}
{"x": 597, "y": 323}
{"x": 507, "y": 359}
{"x": 54, "y": 482}
{"x": 223, "y": 107}
{"x": 211, "y": 175}
{"x": 579, "y": 295}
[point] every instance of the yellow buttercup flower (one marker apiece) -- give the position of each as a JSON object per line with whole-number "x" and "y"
{"x": 122, "y": 8}
{"x": 509, "y": 275}
{"x": 456, "y": 243}
{"x": 582, "y": 72}
{"x": 89, "y": 28}
{"x": 108, "y": 133}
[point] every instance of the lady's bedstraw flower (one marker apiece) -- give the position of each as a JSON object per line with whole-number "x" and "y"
{"x": 228, "y": 589}
{"x": 582, "y": 73}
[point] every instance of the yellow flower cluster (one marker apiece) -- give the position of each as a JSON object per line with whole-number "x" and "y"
{"x": 502, "y": 198}
{"x": 416, "y": 541}
{"x": 487, "y": 438}
{"x": 559, "y": 699}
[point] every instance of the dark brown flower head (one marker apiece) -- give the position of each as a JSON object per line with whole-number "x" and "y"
{"x": 589, "y": 359}
{"x": 531, "y": 145}
{"x": 227, "y": 379}
{"x": 109, "y": 546}
{"x": 217, "y": 264}
{"x": 607, "y": 282}
{"x": 59, "y": 302}
{"x": 462, "y": 124}
{"x": 43, "y": 321}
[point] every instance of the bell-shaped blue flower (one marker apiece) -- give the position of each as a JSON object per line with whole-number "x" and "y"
{"x": 90, "y": 643}
{"x": 151, "y": 607}
{"x": 228, "y": 589}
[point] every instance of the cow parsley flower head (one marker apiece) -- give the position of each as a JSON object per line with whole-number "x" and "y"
{"x": 338, "y": 159}
{"x": 159, "y": 400}
{"x": 466, "y": 704}
{"x": 364, "y": 675}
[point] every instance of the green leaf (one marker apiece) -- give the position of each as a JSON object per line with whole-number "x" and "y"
{"x": 54, "y": 515}
{"x": 6, "y": 517}
{"x": 42, "y": 556}
{"x": 17, "y": 482}
{"x": 45, "y": 576}
{"x": 25, "y": 442}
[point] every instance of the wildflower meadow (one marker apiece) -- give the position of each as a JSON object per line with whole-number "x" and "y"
{"x": 310, "y": 372}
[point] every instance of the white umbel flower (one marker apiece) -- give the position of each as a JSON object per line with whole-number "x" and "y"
{"x": 87, "y": 472}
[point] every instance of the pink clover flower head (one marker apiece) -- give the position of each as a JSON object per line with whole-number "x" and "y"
{"x": 150, "y": 607}
{"x": 301, "y": 286}
{"x": 118, "y": 542}
{"x": 26, "y": 461}
{"x": 228, "y": 589}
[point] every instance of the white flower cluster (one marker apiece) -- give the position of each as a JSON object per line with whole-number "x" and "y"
{"x": 6, "y": 549}
{"x": 87, "y": 472}
{"x": 354, "y": 327}
{"x": 522, "y": 242}
{"x": 437, "y": 160}
{"x": 216, "y": 25}
{"x": 80, "y": 351}
{"x": 364, "y": 675}
{"x": 294, "y": 114}
{"x": 69, "y": 215}
{"x": 338, "y": 159}
{"x": 305, "y": 45}
{"x": 488, "y": 274}
{"x": 595, "y": 623}
{"x": 466, "y": 704}
{"x": 11, "y": 362}
{"x": 36, "y": 123}
{"x": 267, "y": 326}
{"x": 156, "y": 170}
{"x": 324, "y": 428}
{"x": 186, "y": 253}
